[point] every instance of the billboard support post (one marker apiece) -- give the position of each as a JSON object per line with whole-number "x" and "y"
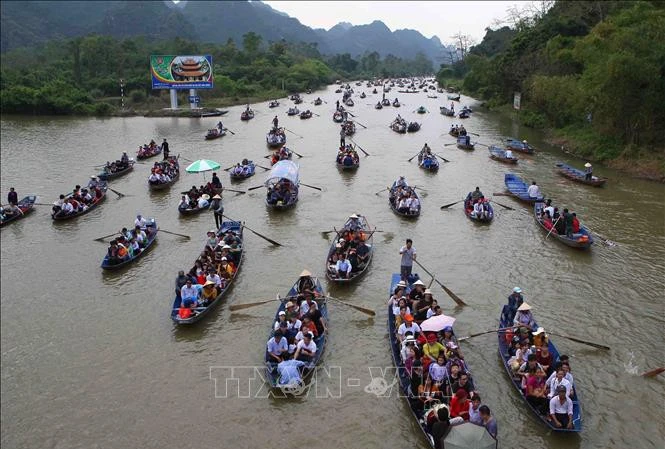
{"x": 174, "y": 98}
{"x": 192, "y": 99}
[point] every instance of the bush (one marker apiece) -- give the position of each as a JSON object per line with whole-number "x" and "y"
{"x": 103, "y": 108}
{"x": 532, "y": 119}
{"x": 137, "y": 96}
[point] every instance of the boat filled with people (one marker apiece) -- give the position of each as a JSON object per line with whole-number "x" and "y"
{"x": 276, "y": 137}
{"x": 399, "y": 125}
{"x": 273, "y": 104}
{"x": 164, "y": 174}
{"x": 347, "y": 158}
{"x": 522, "y": 147}
{"x": 583, "y": 177}
{"x": 540, "y": 374}
{"x": 501, "y": 155}
{"x": 194, "y": 204}
{"x": 243, "y": 170}
{"x": 293, "y": 111}
{"x": 457, "y": 130}
{"x": 201, "y": 289}
{"x": 478, "y": 208}
{"x": 306, "y": 114}
{"x": 282, "y": 185}
{"x": 117, "y": 168}
{"x": 130, "y": 245}
{"x": 318, "y": 101}
{"x": 447, "y": 112}
{"x": 403, "y": 199}
{"x": 298, "y": 335}
{"x": 563, "y": 226}
{"x": 148, "y": 150}
{"x": 338, "y": 116}
{"x": 283, "y": 154}
{"x": 427, "y": 160}
{"x": 13, "y": 212}
{"x": 433, "y": 375}
{"x": 247, "y": 114}
{"x": 351, "y": 250}
{"x": 216, "y": 132}
{"x": 80, "y": 201}
{"x": 413, "y": 127}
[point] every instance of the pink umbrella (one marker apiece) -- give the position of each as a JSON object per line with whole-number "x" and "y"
{"x": 436, "y": 323}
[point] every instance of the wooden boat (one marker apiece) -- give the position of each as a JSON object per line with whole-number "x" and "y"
{"x": 447, "y": 112}
{"x": 581, "y": 240}
{"x": 140, "y": 155}
{"x": 26, "y": 205}
{"x": 174, "y": 178}
{"x": 464, "y": 143}
{"x": 58, "y": 216}
{"x": 468, "y": 209}
{"x": 355, "y": 222}
{"x": 201, "y": 312}
{"x": 282, "y": 185}
{"x": 413, "y": 127}
{"x": 422, "y": 110}
{"x": 374, "y": 91}
{"x": 105, "y": 175}
{"x": 184, "y": 209}
{"x": 398, "y": 127}
{"x": 349, "y": 103}
{"x": 363, "y": 95}
{"x": 428, "y": 162}
{"x": 454, "y": 132}
{"x": 272, "y": 375}
{"x": 284, "y": 154}
{"x": 385, "y": 102}
{"x": 466, "y": 109}
{"x": 318, "y": 102}
{"x": 378, "y": 106}
{"x": 522, "y": 147}
{"x": 519, "y": 188}
{"x": 579, "y": 175}
{"x": 432, "y": 96}
{"x": 293, "y": 111}
{"x": 338, "y": 117}
{"x": 276, "y": 138}
{"x": 215, "y": 133}
{"x": 504, "y": 337}
{"x": 248, "y": 171}
{"x": 152, "y": 236}
{"x": 463, "y": 114}
{"x": 393, "y": 203}
{"x": 306, "y": 114}
{"x": 247, "y": 114}
{"x": 338, "y": 91}
{"x": 349, "y": 128}
{"x": 499, "y": 154}
{"x": 346, "y": 161}
{"x": 273, "y": 104}
{"x": 454, "y": 97}
{"x": 396, "y": 103}
{"x": 420, "y": 415}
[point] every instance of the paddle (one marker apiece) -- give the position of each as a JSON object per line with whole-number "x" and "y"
{"x": 553, "y": 226}
{"x": 449, "y": 144}
{"x": 261, "y": 166}
{"x": 446, "y": 206}
{"x": 361, "y": 124}
{"x": 482, "y": 144}
{"x": 252, "y": 230}
{"x": 254, "y": 188}
{"x": 501, "y": 194}
{"x": 120, "y": 195}
{"x": 235, "y": 307}
{"x": 387, "y": 188}
{"x": 100, "y": 239}
{"x": 502, "y": 205}
{"x": 413, "y": 156}
{"x": 369, "y": 312}
{"x": 450, "y": 293}
{"x": 42, "y": 204}
{"x": 316, "y": 114}
{"x": 296, "y": 153}
{"x": 653, "y": 372}
{"x": 361, "y": 148}
{"x": 311, "y": 187}
{"x": 174, "y": 233}
{"x": 473, "y": 134}
{"x": 232, "y": 190}
{"x": 441, "y": 157}
{"x": 229, "y": 168}
{"x": 226, "y": 129}
{"x": 595, "y": 345}
{"x": 483, "y": 333}
{"x": 294, "y": 134}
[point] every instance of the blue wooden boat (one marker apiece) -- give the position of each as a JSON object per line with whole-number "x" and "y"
{"x": 58, "y": 216}
{"x": 428, "y": 162}
{"x": 282, "y": 185}
{"x": 506, "y": 322}
{"x": 152, "y": 236}
{"x": 468, "y": 209}
{"x": 499, "y": 154}
{"x": 521, "y": 146}
{"x": 105, "y": 175}
{"x": 402, "y": 372}
{"x": 464, "y": 143}
{"x": 581, "y": 240}
{"x": 365, "y": 229}
{"x": 237, "y": 228}
{"x": 248, "y": 171}
{"x": 579, "y": 175}
{"x": 518, "y": 188}
{"x": 393, "y": 202}
{"x": 313, "y": 284}
{"x": 26, "y": 205}
{"x": 463, "y": 114}
{"x": 275, "y": 138}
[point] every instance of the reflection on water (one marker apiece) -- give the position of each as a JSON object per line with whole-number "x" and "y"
{"x": 65, "y": 322}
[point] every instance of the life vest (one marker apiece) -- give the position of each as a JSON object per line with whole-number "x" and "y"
{"x": 184, "y": 313}
{"x": 122, "y": 252}
{"x": 509, "y": 335}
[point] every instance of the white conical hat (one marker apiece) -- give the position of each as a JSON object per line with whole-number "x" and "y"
{"x": 305, "y": 273}
{"x": 524, "y": 306}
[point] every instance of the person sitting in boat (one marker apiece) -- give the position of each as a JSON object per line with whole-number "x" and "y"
{"x": 306, "y": 348}
{"x": 113, "y": 252}
{"x": 408, "y": 325}
{"x": 277, "y": 347}
{"x": 208, "y": 294}
{"x": 476, "y": 195}
{"x": 343, "y": 267}
{"x": 140, "y": 236}
{"x": 524, "y": 317}
{"x": 414, "y": 204}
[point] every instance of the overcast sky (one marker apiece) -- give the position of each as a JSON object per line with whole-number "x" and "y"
{"x": 442, "y": 19}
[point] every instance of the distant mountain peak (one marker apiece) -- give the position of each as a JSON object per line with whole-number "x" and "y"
{"x": 343, "y": 25}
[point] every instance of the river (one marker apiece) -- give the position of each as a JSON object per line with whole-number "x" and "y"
{"x": 92, "y": 359}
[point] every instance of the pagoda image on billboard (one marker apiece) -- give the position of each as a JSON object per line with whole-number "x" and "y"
{"x": 190, "y": 69}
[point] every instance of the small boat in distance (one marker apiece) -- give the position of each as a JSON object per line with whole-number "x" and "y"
{"x": 579, "y": 175}
{"x": 25, "y": 206}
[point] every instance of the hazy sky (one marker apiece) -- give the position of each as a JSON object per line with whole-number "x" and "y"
{"x": 429, "y": 17}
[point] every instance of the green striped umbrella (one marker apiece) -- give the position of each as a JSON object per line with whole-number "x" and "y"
{"x": 202, "y": 165}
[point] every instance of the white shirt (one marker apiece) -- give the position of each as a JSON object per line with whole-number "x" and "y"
{"x": 474, "y": 415}
{"x": 413, "y": 328}
{"x": 533, "y": 191}
{"x": 403, "y": 204}
{"x": 304, "y": 307}
{"x": 203, "y": 203}
{"x": 339, "y": 267}
{"x": 568, "y": 377}
{"x": 415, "y": 204}
{"x": 550, "y": 209}
{"x": 215, "y": 278}
{"x": 557, "y": 407}
{"x": 554, "y": 383}
{"x": 154, "y": 177}
{"x": 509, "y": 154}
{"x": 430, "y": 313}
{"x": 141, "y": 223}
{"x": 295, "y": 325}
{"x": 310, "y": 347}
{"x": 437, "y": 372}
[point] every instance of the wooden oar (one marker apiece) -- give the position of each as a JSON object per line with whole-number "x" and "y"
{"x": 449, "y": 144}
{"x": 481, "y": 144}
{"x": 361, "y": 148}
{"x": 174, "y": 233}
{"x": 311, "y": 187}
{"x": 441, "y": 157}
{"x": 226, "y": 129}
{"x": 387, "y": 188}
{"x": 233, "y": 190}
{"x": 501, "y": 194}
{"x": 483, "y": 333}
{"x": 235, "y": 307}
{"x": 450, "y": 293}
{"x": 120, "y": 195}
{"x": 261, "y": 166}
{"x": 296, "y": 153}
{"x": 255, "y": 187}
{"x": 578, "y": 340}
{"x": 316, "y": 114}
{"x": 43, "y": 204}
{"x": 653, "y": 372}
{"x": 502, "y": 205}
{"x": 553, "y": 227}
{"x": 473, "y": 134}
{"x": 229, "y": 168}
{"x": 446, "y": 206}
{"x": 369, "y": 312}
{"x": 410, "y": 159}
{"x": 100, "y": 239}
{"x": 294, "y": 134}
{"x": 252, "y": 230}
{"x": 361, "y": 124}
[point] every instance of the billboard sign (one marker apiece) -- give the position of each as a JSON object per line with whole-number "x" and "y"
{"x": 517, "y": 100}
{"x": 181, "y": 72}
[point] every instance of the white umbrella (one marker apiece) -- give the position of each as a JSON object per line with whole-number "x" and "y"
{"x": 469, "y": 436}
{"x": 436, "y": 323}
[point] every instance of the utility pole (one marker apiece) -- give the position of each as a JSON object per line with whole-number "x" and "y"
{"x": 122, "y": 93}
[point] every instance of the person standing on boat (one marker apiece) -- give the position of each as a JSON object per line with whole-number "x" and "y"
{"x": 568, "y": 223}
{"x": 275, "y": 122}
{"x": 12, "y": 197}
{"x": 342, "y": 137}
{"x": 588, "y": 171}
{"x": 515, "y": 299}
{"x": 217, "y": 209}
{"x": 488, "y": 420}
{"x": 533, "y": 190}
{"x": 408, "y": 253}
